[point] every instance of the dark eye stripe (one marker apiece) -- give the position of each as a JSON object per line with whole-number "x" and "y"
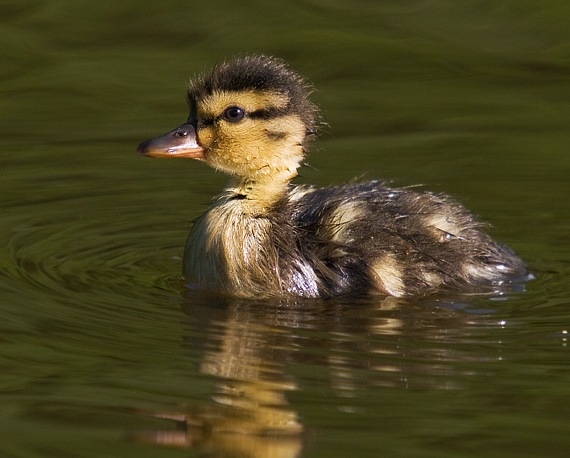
{"x": 205, "y": 122}
{"x": 275, "y": 135}
{"x": 264, "y": 113}
{"x": 268, "y": 113}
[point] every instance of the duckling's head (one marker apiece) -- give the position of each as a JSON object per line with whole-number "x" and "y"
{"x": 250, "y": 118}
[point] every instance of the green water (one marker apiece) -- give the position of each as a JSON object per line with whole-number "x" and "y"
{"x": 99, "y": 341}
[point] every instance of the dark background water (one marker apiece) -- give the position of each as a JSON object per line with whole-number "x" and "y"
{"x": 98, "y": 338}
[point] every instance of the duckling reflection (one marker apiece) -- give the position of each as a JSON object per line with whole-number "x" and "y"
{"x": 249, "y": 415}
{"x": 252, "y": 349}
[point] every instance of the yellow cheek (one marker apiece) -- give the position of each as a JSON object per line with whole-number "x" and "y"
{"x": 206, "y": 137}
{"x": 239, "y": 143}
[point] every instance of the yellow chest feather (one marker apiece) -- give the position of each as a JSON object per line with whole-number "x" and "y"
{"x": 229, "y": 247}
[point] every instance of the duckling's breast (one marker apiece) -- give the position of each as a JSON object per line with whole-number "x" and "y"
{"x": 229, "y": 250}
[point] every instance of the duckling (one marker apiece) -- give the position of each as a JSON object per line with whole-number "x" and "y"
{"x": 252, "y": 119}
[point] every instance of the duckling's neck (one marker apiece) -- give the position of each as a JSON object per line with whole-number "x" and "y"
{"x": 259, "y": 194}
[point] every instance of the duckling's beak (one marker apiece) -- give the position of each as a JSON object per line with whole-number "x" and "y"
{"x": 180, "y": 142}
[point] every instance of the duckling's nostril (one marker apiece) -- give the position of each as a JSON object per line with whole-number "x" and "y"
{"x": 180, "y": 133}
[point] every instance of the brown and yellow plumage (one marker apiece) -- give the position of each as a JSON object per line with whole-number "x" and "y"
{"x": 252, "y": 119}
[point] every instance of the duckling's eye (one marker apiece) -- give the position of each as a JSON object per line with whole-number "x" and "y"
{"x": 233, "y": 114}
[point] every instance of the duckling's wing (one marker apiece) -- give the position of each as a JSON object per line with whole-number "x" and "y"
{"x": 398, "y": 241}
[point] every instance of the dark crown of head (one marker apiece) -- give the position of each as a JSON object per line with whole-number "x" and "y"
{"x": 259, "y": 73}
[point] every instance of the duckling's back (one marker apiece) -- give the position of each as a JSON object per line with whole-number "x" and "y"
{"x": 366, "y": 237}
